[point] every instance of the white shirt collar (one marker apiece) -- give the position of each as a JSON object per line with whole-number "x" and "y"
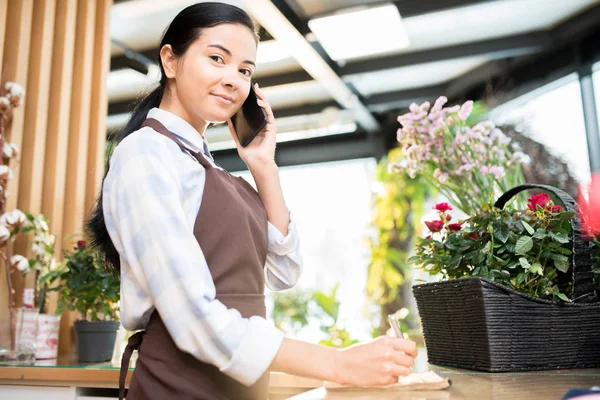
{"x": 184, "y": 131}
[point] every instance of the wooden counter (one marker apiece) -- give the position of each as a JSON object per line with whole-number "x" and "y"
{"x": 78, "y": 382}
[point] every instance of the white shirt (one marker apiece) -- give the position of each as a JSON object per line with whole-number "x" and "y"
{"x": 151, "y": 197}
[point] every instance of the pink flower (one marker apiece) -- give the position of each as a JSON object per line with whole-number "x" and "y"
{"x": 455, "y": 227}
{"x": 465, "y": 110}
{"x": 439, "y": 103}
{"x": 590, "y": 207}
{"x": 81, "y": 244}
{"x": 497, "y": 171}
{"x": 442, "y": 207}
{"x": 541, "y": 200}
{"x": 434, "y": 226}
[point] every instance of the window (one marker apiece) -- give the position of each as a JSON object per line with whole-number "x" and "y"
{"x": 553, "y": 116}
{"x": 331, "y": 203}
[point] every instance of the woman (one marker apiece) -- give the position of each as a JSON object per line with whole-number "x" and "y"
{"x": 195, "y": 245}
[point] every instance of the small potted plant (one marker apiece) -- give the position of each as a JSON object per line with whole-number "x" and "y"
{"x": 84, "y": 285}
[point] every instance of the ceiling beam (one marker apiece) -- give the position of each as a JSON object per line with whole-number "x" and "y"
{"x": 309, "y": 151}
{"x": 413, "y": 8}
{"x": 269, "y": 16}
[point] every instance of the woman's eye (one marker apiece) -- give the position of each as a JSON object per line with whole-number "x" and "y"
{"x": 246, "y": 72}
{"x": 217, "y": 58}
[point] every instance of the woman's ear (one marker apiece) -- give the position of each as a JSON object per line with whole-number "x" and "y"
{"x": 169, "y": 60}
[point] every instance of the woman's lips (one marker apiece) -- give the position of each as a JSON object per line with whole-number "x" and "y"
{"x": 225, "y": 99}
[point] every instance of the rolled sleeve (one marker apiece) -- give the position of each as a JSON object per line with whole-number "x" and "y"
{"x": 284, "y": 261}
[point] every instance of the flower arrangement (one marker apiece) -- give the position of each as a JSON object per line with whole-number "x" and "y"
{"x": 469, "y": 165}
{"x": 522, "y": 249}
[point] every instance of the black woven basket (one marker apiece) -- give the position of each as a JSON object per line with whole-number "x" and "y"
{"x": 478, "y": 324}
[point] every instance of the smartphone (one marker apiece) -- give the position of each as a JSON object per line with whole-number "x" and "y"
{"x": 250, "y": 120}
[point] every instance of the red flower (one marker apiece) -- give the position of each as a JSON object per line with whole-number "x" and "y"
{"x": 590, "y": 208}
{"x": 81, "y": 244}
{"x": 541, "y": 200}
{"x": 473, "y": 235}
{"x": 442, "y": 207}
{"x": 554, "y": 209}
{"x": 448, "y": 217}
{"x": 428, "y": 237}
{"x": 455, "y": 227}
{"x": 435, "y": 226}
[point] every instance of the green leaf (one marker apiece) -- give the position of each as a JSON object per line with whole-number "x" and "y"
{"x": 501, "y": 231}
{"x": 562, "y": 296}
{"x": 528, "y": 227}
{"x": 524, "y": 263}
{"x": 488, "y": 248}
{"x": 524, "y": 245}
{"x": 567, "y": 215}
{"x": 521, "y": 277}
{"x": 540, "y": 234}
{"x": 561, "y": 262}
{"x": 560, "y": 236}
{"x": 536, "y": 268}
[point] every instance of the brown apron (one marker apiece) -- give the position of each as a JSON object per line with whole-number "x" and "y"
{"x": 231, "y": 229}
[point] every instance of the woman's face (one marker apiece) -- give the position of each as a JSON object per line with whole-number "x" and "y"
{"x": 212, "y": 79}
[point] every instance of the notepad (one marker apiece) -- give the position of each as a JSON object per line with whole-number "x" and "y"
{"x": 418, "y": 381}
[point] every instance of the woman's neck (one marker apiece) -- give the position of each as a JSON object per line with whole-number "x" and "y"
{"x": 176, "y": 108}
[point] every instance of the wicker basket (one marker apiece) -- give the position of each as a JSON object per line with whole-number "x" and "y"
{"x": 478, "y": 324}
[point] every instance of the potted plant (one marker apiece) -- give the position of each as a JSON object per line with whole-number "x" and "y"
{"x": 84, "y": 285}
{"x": 517, "y": 283}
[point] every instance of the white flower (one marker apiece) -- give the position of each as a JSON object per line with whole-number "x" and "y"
{"x": 40, "y": 223}
{"x": 10, "y": 150}
{"x": 19, "y": 262}
{"x": 15, "y": 93}
{"x": 13, "y": 219}
{"x": 4, "y": 105}
{"x": 38, "y": 249}
{"x": 4, "y": 234}
{"x": 5, "y": 172}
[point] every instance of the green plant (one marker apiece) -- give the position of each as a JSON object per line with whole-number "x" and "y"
{"x": 290, "y": 309}
{"x": 523, "y": 249}
{"x": 328, "y": 305}
{"x": 85, "y": 286}
{"x": 397, "y": 205}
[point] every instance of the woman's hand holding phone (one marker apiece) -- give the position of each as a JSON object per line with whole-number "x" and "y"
{"x": 261, "y": 150}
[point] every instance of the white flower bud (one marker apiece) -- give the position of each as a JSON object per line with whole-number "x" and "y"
{"x": 10, "y": 150}
{"x": 19, "y": 262}
{"x": 5, "y": 172}
{"x": 13, "y": 219}
{"x": 4, "y": 234}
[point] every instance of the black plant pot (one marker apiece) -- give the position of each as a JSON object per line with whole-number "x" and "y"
{"x": 95, "y": 340}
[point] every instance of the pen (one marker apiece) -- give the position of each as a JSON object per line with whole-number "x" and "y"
{"x": 395, "y": 325}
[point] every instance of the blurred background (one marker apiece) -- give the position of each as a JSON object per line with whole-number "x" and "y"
{"x": 337, "y": 73}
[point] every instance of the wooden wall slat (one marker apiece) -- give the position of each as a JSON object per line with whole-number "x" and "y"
{"x": 34, "y": 130}
{"x": 80, "y": 123}
{"x": 3, "y": 13}
{"x": 36, "y": 107}
{"x": 99, "y": 106}
{"x": 59, "y": 112}
{"x": 16, "y": 60}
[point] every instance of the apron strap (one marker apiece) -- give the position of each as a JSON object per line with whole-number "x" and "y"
{"x": 133, "y": 343}
{"x": 160, "y": 128}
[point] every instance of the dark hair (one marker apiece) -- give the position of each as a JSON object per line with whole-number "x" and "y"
{"x": 185, "y": 28}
